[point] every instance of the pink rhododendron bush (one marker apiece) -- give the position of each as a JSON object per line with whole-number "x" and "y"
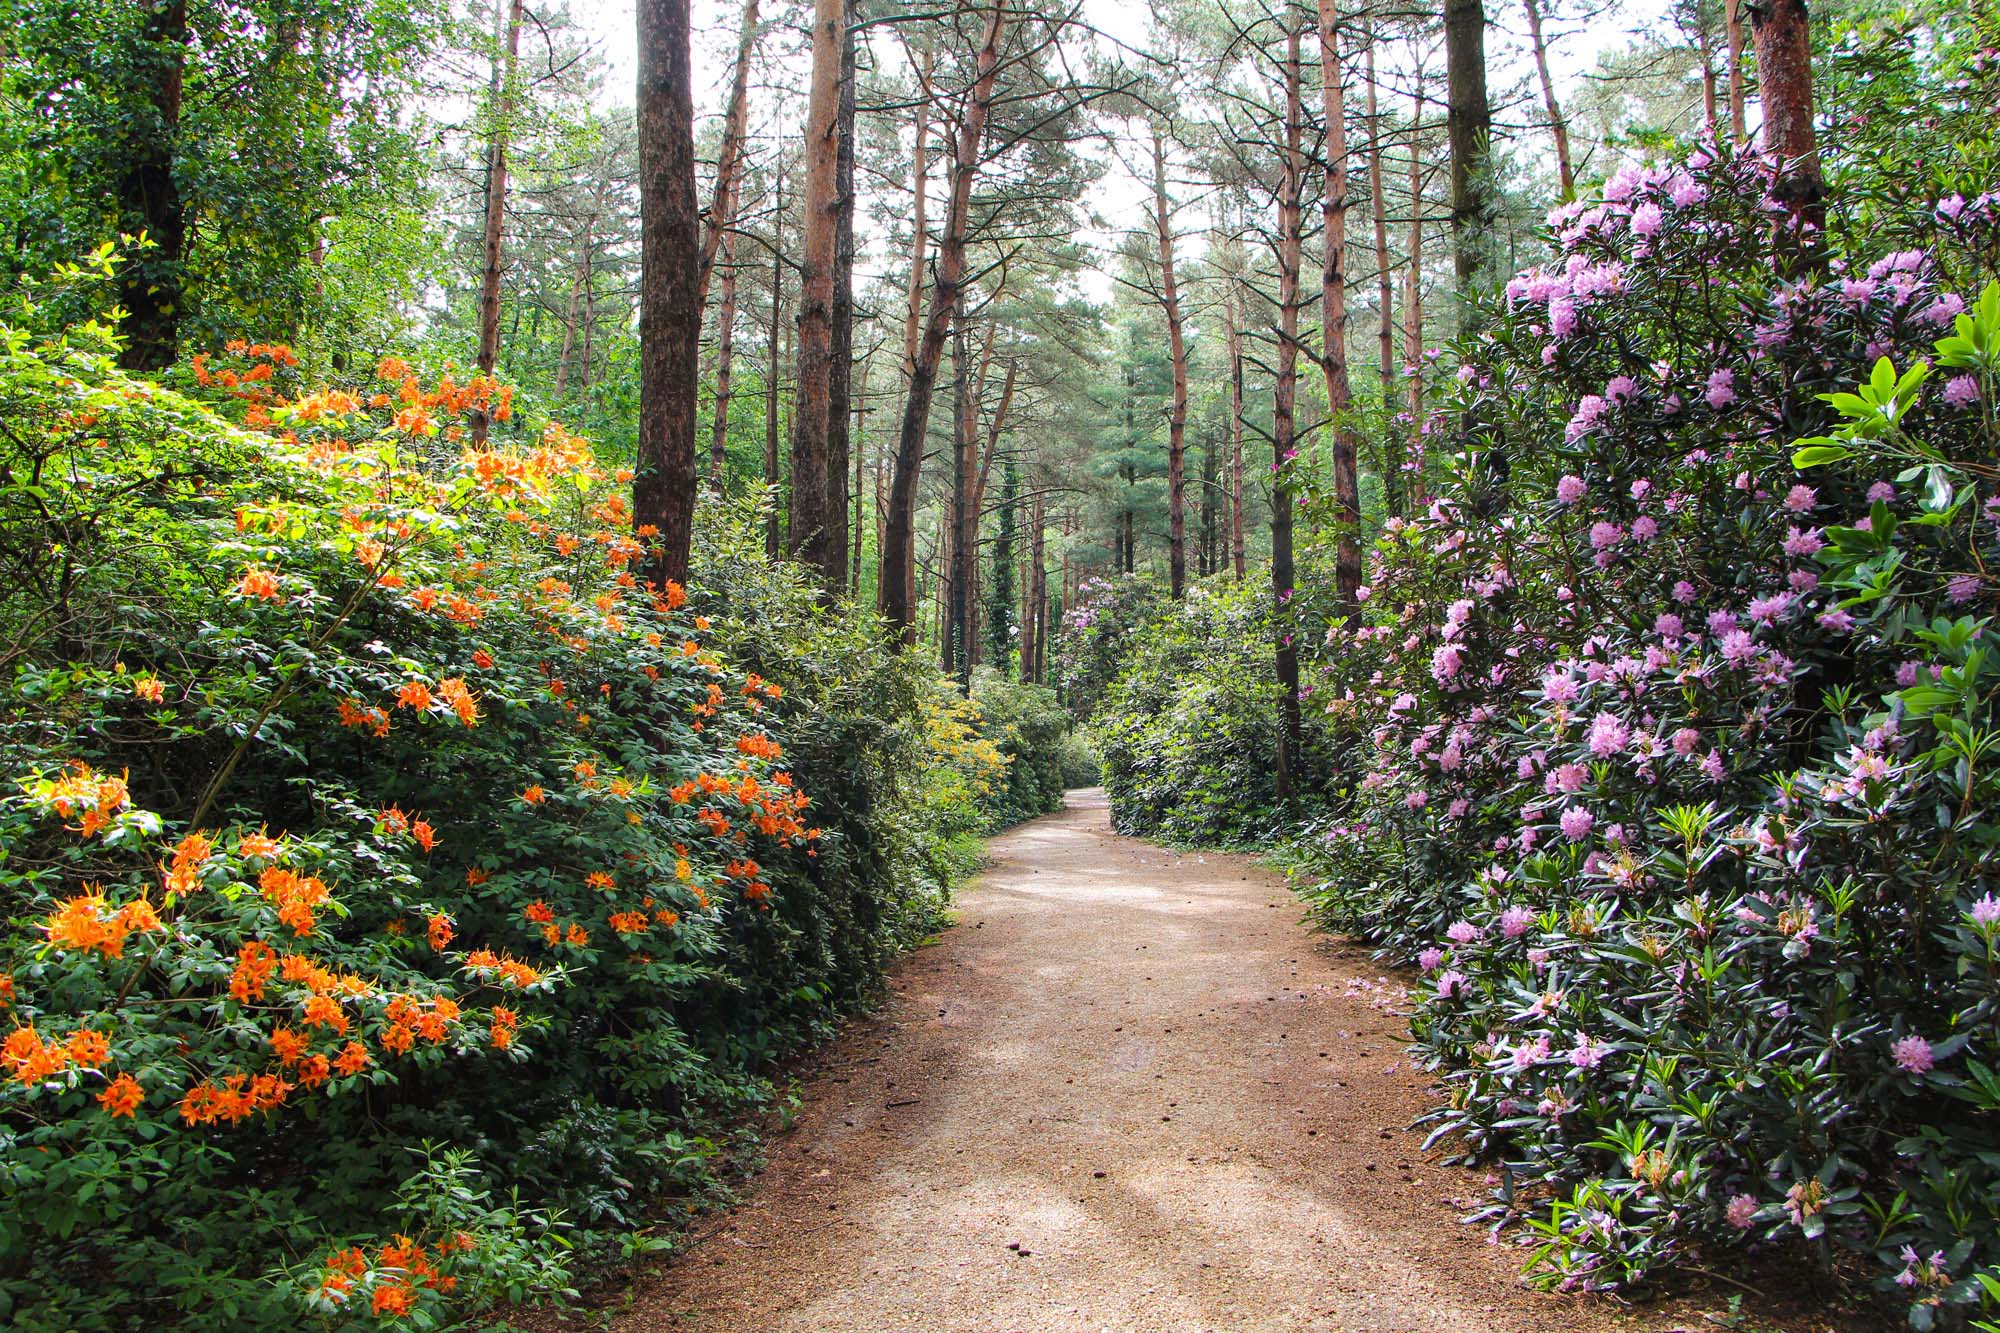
{"x": 1673, "y": 755}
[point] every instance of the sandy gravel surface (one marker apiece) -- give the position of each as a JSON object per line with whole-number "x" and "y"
{"x": 1128, "y": 1091}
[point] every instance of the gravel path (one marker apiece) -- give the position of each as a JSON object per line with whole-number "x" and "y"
{"x": 1128, "y": 1091}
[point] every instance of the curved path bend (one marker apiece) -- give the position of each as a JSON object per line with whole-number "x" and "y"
{"x": 1129, "y": 1091}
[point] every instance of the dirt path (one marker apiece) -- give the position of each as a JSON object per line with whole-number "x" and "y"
{"x": 1129, "y": 1091}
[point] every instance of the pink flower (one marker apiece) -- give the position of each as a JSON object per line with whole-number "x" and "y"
{"x": 1913, "y": 1054}
{"x": 1741, "y": 1212}
{"x": 1668, "y": 625}
{"x": 1646, "y": 220}
{"x": 1576, "y": 822}
{"x": 1463, "y": 932}
{"x": 1515, "y": 921}
{"x": 1586, "y": 1054}
{"x": 1961, "y": 391}
{"x": 1417, "y": 800}
{"x": 1881, "y": 492}
{"x": 1450, "y": 983}
{"x": 1570, "y": 489}
{"x": 1986, "y": 912}
{"x": 1721, "y": 389}
{"x": 1801, "y": 498}
{"x": 1429, "y": 959}
{"x": 1684, "y": 592}
{"x": 1608, "y": 735}
{"x": 1802, "y": 541}
{"x": 1645, "y": 528}
{"x": 1961, "y": 588}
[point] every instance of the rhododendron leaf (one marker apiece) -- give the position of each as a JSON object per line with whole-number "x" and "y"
{"x": 1818, "y": 452}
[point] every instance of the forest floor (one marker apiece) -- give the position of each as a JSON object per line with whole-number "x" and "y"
{"x": 1128, "y": 1091}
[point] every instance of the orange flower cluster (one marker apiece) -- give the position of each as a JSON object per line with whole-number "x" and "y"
{"x": 238, "y": 1097}
{"x": 123, "y": 1096}
{"x": 295, "y": 896}
{"x": 87, "y": 922}
{"x": 255, "y": 963}
{"x": 149, "y": 688}
{"x": 183, "y": 874}
{"x": 759, "y": 747}
{"x": 505, "y": 1022}
{"x": 82, "y": 794}
{"x": 631, "y": 923}
{"x": 261, "y": 584}
{"x": 459, "y": 698}
{"x": 29, "y": 1058}
{"x": 485, "y": 965}
{"x": 361, "y": 717}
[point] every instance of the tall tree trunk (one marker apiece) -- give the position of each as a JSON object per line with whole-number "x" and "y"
{"x": 575, "y": 307}
{"x": 152, "y": 285}
{"x": 1413, "y": 308}
{"x": 774, "y": 358}
{"x": 1234, "y": 314}
{"x": 812, "y": 533}
{"x": 1170, "y": 301}
{"x": 1732, "y": 17}
{"x": 1038, "y": 591}
{"x": 1558, "y": 127}
{"x": 1705, "y": 49}
{"x": 1470, "y": 127}
{"x": 964, "y": 512}
{"x": 840, "y": 389}
{"x": 859, "y": 440}
{"x": 1784, "y": 86}
{"x": 506, "y": 50}
{"x": 725, "y": 352}
{"x": 1385, "y": 291}
{"x": 721, "y": 215}
{"x": 898, "y": 601}
{"x": 663, "y": 491}
{"x": 1284, "y": 392}
{"x": 1333, "y": 314}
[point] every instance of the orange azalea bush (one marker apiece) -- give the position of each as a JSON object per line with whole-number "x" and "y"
{"x": 361, "y": 790}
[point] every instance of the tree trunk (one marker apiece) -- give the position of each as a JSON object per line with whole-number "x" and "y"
{"x": 1234, "y": 314}
{"x": 725, "y": 351}
{"x": 663, "y": 491}
{"x": 898, "y": 602}
{"x": 1470, "y": 127}
{"x": 840, "y": 398}
{"x": 1413, "y": 309}
{"x": 1284, "y": 391}
{"x": 721, "y": 214}
{"x": 1170, "y": 301}
{"x": 773, "y": 359}
{"x": 812, "y": 534}
{"x": 151, "y": 285}
{"x": 1705, "y": 48}
{"x": 1333, "y": 315}
{"x": 1558, "y": 127}
{"x": 1732, "y": 11}
{"x": 1784, "y": 86}
{"x": 575, "y": 308}
{"x": 1038, "y": 592}
{"x": 506, "y": 50}
{"x": 859, "y": 440}
{"x": 1385, "y": 291}
{"x": 964, "y": 514}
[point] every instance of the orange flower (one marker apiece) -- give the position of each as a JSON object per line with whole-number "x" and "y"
{"x": 255, "y": 962}
{"x": 30, "y": 1058}
{"x": 534, "y": 795}
{"x": 289, "y": 1044}
{"x": 323, "y": 1011}
{"x": 393, "y": 1302}
{"x": 123, "y": 1096}
{"x": 577, "y": 936}
{"x": 89, "y": 1048}
{"x": 477, "y": 875}
{"x": 539, "y": 912}
{"x": 398, "y": 1039}
{"x": 260, "y": 844}
{"x": 440, "y": 932}
{"x": 353, "y": 1058}
{"x": 425, "y": 835}
{"x": 631, "y": 923}
{"x": 482, "y": 659}
{"x": 414, "y": 694}
{"x": 149, "y": 688}
{"x": 259, "y": 583}
{"x": 313, "y": 1071}
{"x": 454, "y": 692}
{"x": 597, "y": 879}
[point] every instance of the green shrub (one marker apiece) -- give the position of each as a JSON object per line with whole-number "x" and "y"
{"x": 1029, "y": 727}
{"x": 363, "y": 796}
